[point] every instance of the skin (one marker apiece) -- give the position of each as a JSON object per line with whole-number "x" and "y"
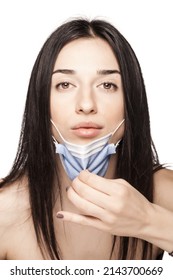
{"x": 92, "y": 205}
{"x": 87, "y": 93}
{"x": 112, "y": 209}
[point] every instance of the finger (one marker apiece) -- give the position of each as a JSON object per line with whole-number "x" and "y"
{"x": 84, "y": 205}
{"x": 92, "y": 195}
{"x": 104, "y": 185}
{"x": 82, "y": 220}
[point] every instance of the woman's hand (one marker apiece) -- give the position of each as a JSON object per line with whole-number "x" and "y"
{"x": 113, "y": 206}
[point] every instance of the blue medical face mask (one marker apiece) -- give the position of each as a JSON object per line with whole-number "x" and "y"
{"x": 94, "y": 156}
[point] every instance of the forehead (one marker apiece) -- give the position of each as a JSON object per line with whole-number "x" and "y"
{"x": 87, "y": 52}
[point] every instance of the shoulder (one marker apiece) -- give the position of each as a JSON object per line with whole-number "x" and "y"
{"x": 163, "y": 188}
{"x": 14, "y": 209}
{"x": 14, "y": 196}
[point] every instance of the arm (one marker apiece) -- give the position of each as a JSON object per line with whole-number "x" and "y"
{"x": 118, "y": 208}
{"x": 162, "y": 216}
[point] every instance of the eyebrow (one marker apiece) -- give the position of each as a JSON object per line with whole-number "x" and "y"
{"x": 108, "y": 72}
{"x": 99, "y": 72}
{"x": 64, "y": 71}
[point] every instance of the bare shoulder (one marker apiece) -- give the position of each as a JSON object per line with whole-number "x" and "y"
{"x": 14, "y": 209}
{"x": 14, "y": 197}
{"x": 163, "y": 188}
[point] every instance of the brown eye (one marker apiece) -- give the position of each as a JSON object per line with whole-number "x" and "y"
{"x": 64, "y": 85}
{"x": 110, "y": 87}
{"x": 107, "y": 85}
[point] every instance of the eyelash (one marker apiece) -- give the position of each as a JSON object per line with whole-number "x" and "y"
{"x": 112, "y": 86}
{"x": 60, "y": 85}
{"x": 66, "y": 85}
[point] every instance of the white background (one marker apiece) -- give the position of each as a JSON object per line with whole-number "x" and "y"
{"x": 25, "y": 25}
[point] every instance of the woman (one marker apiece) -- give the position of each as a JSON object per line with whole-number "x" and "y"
{"x": 86, "y": 182}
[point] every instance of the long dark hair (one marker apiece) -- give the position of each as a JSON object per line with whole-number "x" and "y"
{"x": 36, "y": 157}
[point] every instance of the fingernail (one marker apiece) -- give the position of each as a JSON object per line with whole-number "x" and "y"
{"x": 67, "y": 188}
{"x": 60, "y": 216}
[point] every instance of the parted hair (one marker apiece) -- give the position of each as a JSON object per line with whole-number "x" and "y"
{"x": 36, "y": 157}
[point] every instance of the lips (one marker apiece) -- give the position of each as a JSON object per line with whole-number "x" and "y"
{"x": 87, "y": 129}
{"x": 87, "y": 125}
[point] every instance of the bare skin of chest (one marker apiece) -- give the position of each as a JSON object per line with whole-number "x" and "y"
{"x": 75, "y": 243}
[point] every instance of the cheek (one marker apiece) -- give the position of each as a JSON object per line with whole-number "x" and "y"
{"x": 61, "y": 113}
{"x": 58, "y": 117}
{"x": 57, "y": 108}
{"x": 53, "y": 108}
{"x": 115, "y": 111}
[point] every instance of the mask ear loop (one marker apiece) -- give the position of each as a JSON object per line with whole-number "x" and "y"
{"x": 118, "y": 127}
{"x": 116, "y": 145}
{"x": 54, "y": 139}
{"x": 116, "y": 131}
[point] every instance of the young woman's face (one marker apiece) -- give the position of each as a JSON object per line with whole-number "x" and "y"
{"x": 86, "y": 92}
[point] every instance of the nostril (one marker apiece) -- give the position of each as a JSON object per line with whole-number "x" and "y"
{"x": 87, "y": 111}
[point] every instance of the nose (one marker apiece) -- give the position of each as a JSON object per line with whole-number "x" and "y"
{"x": 86, "y": 103}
